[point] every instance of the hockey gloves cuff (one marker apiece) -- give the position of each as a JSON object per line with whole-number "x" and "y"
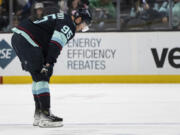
{"x": 47, "y": 70}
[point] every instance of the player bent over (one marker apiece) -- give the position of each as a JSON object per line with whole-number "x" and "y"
{"x": 38, "y": 44}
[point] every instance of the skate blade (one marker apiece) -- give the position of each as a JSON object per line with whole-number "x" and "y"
{"x": 36, "y": 122}
{"x": 47, "y": 124}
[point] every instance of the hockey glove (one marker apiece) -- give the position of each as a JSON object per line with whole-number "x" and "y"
{"x": 47, "y": 70}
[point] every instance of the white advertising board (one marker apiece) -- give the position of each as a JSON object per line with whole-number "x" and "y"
{"x": 132, "y": 53}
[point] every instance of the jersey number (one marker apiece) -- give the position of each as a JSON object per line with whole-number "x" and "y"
{"x": 51, "y": 16}
{"x": 67, "y": 31}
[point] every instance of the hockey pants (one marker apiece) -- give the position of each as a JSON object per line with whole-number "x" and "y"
{"x": 32, "y": 60}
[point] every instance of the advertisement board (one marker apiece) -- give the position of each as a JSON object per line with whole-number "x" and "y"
{"x": 143, "y": 53}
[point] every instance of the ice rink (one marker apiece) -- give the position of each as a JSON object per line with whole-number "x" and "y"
{"x": 95, "y": 109}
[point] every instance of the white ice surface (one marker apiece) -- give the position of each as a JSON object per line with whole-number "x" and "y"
{"x": 95, "y": 109}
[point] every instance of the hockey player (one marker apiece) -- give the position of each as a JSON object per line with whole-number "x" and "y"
{"x": 38, "y": 44}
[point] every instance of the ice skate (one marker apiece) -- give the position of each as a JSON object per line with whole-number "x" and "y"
{"x": 36, "y": 118}
{"x": 48, "y": 120}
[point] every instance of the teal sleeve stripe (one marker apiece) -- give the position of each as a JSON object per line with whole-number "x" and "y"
{"x": 40, "y": 91}
{"x": 57, "y": 40}
{"x": 25, "y": 35}
{"x": 59, "y": 37}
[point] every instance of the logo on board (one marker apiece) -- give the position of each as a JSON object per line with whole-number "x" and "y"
{"x": 166, "y": 54}
{"x": 7, "y": 54}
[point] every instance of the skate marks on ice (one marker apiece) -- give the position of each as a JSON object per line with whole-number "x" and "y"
{"x": 94, "y": 129}
{"x": 100, "y": 129}
{"x": 90, "y": 130}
